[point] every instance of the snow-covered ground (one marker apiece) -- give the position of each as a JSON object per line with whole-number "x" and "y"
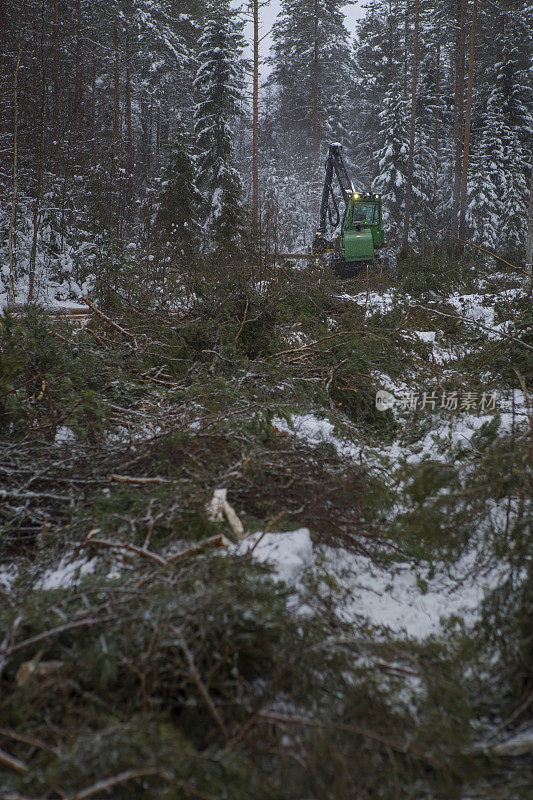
{"x": 8, "y": 576}
{"x": 401, "y": 598}
{"x": 404, "y": 598}
{"x": 68, "y": 572}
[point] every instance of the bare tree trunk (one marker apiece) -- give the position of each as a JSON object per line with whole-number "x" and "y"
{"x": 55, "y": 111}
{"x": 40, "y": 172}
{"x": 406, "y": 51}
{"x": 468, "y": 117}
{"x": 410, "y": 164}
{"x": 78, "y": 83}
{"x": 4, "y": 99}
{"x": 116, "y": 94}
{"x": 458, "y": 112}
{"x": 255, "y": 122}
{"x": 372, "y": 131}
{"x": 315, "y": 114}
{"x": 529, "y": 243}
{"x": 129, "y": 131}
{"x": 11, "y": 286}
{"x": 436, "y": 145}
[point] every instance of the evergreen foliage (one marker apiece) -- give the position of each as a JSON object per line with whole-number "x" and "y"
{"x": 311, "y": 65}
{"x": 180, "y": 208}
{"x": 218, "y": 85}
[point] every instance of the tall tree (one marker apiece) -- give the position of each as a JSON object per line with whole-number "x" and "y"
{"x": 529, "y": 240}
{"x": 180, "y": 207}
{"x": 255, "y": 121}
{"x": 410, "y": 165}
{"x": 392, "y": 158}
{"x": 219, "y": 84}
{"x": 311, "y": 73}
{"x": 458, "y": 106}
{"x": 468, "y": 117}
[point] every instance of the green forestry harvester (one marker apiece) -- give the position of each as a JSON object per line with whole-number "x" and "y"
{"x": 361, "y": 240}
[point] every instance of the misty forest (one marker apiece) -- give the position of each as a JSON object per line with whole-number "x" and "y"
{"x": 266, "y": 400}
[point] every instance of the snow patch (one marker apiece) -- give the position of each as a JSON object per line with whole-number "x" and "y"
{"x": 290, "y": 552}
{"x": 373, "y": 301}
{"x": 404, "y": 599}
{"x": 316, "y": 430}
{"x": 472, "y": 307}
{"x": 64, "y": 435}
{"x": 67, "y": 573}
{"x": 425, "y": 336}
{"x": 8, "y": 576}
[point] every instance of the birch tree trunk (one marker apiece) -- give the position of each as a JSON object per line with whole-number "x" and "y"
{"x": 468, "y": 118}
{"x": 410, "y": 164}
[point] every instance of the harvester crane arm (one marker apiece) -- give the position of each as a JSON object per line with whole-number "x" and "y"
{"x": 335, "y": 164}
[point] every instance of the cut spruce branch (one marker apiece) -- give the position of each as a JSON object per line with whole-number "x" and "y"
{"x": 202, "y": 688}
{"x": 129, "y": 775}
{"x": 107, "y": 319}
{"x": 318, "y": 341}
{"x": 126, "y": 547}
{"x": 484, "y": 250}
{"x": 215, "y": 541}
{"x": 123, "y": 777}
{"x": 268, "y": 528}
{"x": 477, "y": 324}
{"x": 32, "y": 741}
{"x": 136, "y": 480}
{"x": 13, "y": 763}
{"x": 365, "y": 733}
{"x": 86, "y": 622}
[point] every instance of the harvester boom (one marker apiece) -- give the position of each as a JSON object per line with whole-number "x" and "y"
{"x": 335, "y": 164}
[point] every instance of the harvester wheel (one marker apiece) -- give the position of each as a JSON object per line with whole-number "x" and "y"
{"x": 349, "y": 269}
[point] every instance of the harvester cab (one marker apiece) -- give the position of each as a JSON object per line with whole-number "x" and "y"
{"x": 361, "y": 235}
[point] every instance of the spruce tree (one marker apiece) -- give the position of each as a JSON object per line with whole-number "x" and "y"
{"x": 366, "y": 90}
{"x": 518, "y": 130}
{"x": 485, "y": 184}
{"x": 497, "y": 207}
{"x": 312, "y": 74}
{"x": 180, "y": 208}
{"x": 392, "y": 158}
{"x": 219, "y": 86}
